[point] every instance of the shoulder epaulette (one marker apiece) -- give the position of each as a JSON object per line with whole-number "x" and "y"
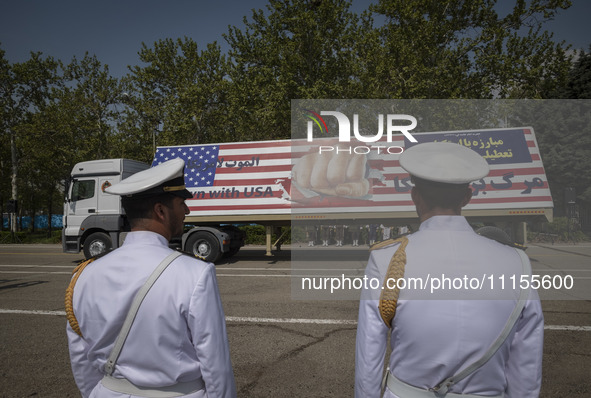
{"x": 391, "y": 291}
{"x": 70, "y": 295}
{"x": 384, "y": 243}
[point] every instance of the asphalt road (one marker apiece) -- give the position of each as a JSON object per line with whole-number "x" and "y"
{"x": 281, "y": 345}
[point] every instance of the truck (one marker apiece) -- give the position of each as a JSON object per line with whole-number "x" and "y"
{"x": 269, "y": 183}
{"x": 95, "y": 221}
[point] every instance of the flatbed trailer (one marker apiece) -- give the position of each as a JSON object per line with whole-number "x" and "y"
{"x": 258, "y": 182}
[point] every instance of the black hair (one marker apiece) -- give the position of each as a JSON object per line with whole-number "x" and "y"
{"x": 436, "y": 194}
{"x": 141, "y": 207}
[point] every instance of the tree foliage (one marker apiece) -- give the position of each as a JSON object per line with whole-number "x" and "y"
{"x": 565, "y": 139}
{"x": 5, "y": 159}
{"x": 84, "y": 108}
{"x": 463, "y": 49}
{"x": 297, "y": 49}
{"x": 179, "y": 96}
{"x": 54, "y": 115}
{"x": 78, "y": 120}
{"x": 25, "y": 93}
{"x": 578, "y": 85}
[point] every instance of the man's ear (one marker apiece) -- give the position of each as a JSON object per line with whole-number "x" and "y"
{"x": 467, "y": 196}
{"x": 158, "y": 210}
{"x": 415, "y": 196}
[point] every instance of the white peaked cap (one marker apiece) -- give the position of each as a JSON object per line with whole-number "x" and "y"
{"x": 444, "y": 162}
{"x": 167, "y": 177}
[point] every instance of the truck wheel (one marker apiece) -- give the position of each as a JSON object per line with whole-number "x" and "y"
{"x": 203, "y": 245}
{"x": 96, "y": 244}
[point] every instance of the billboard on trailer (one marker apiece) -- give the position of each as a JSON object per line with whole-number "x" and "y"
{"x": 325, "y": 177}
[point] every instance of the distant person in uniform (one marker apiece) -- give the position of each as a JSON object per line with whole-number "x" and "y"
{"x": 339, "y": 234}
{"x": 355, "y": 233}
{"x": 177, "y": 345}
{"x": 471, "y": 344}
{"x": 324, "y": 234}
{"x": 403, "y": 230}
{"x": 311, "y": 234}
{"x": 386, "y": 231}
{"x": 372, "y": 233}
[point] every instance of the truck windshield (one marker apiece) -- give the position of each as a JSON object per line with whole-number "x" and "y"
{"x": 83, "y": 189}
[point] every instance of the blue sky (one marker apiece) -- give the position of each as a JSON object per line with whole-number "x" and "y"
{"x": 113, "y": 30}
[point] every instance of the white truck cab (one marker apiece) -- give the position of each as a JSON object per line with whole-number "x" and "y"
{"x": 94, "y": 219}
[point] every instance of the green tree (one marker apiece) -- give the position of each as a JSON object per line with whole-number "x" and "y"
{"x": 178, "y": 97}
{"x": 85, "y": 111}
{"x": 43, "y": 167}
{"x": 5, "y": 84}
{"x": 565, "y": 144}
{"x": 25, "y": 91}
{"x": 462, "y": 49}
{"x": 564, "y": 137}
{"x": 563, "y": 134}
{"x": 579, "y": 79}
{"x": 58, "y": 116}
{"x": 297, "y": 49}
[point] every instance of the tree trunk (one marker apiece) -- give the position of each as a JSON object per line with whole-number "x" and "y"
{"x": 33, "y": 216}
{"x": 50, "y": 212}
{"x": 1, "y": 197}
{"x": 14, "y": 177}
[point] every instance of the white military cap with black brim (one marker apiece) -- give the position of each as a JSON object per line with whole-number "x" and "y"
{"x": 167, "y": 177}
{"x": 444, "y": 163}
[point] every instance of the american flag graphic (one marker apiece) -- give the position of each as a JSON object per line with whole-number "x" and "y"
{"x": 235, "y": 178}
{"x": 200, "y": 162}
{"x": 250, "y": 178}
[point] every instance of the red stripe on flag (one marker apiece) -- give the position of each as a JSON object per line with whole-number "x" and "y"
{"x": 324, "y": 203}
{"x": 249, "y": 156}
{"x": 478, "y": 200}
{"x": 253, "y": 169}
{"x": 246, "y": 182}
{"x": 255, "y": 145}
{"x": 244, "y": 208}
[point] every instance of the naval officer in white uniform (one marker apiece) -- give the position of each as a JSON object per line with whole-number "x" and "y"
{"x": 177, "y": 344}
{"x": 434, "y": 341}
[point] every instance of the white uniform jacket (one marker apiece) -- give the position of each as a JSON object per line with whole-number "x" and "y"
{"x": 179, "y": 333}
{"x": 433, "y": 339}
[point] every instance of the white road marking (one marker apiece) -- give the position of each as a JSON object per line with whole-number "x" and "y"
{"x": 256, "y": 276}
{"x": 285, "y": 269}
{"x": 32, "y": 312}
{"x": 241, "y": 319}
{"x": 35, "y": 272}
{"x": 219, "y": 274}
{"x": 568, "y": 327}
{"x": 37, "y": 266}
{"x": 292, "y": 276}
{"x": 562, "y": 270}
{"x": 71, "y": 267}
